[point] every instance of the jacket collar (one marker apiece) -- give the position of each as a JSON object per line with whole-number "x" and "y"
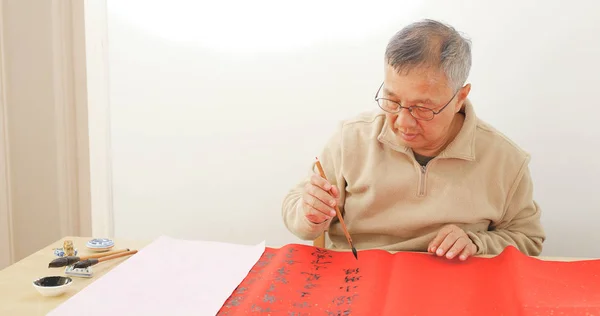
{"x": 462, "y": 147}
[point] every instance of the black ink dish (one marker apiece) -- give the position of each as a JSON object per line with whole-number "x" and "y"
{"x": 52, "y": 285}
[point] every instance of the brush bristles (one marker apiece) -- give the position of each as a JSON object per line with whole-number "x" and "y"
{"x": 85, "y": 263}
{"x": 63, "y": 262}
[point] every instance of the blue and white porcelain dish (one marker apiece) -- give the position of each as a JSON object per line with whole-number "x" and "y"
{"x": 60, "y": 252}
{"x": 100, "y": 243}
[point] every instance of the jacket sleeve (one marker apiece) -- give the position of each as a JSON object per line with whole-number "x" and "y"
{"x": 331, "y": 161}
{"x": 520, "y": 226}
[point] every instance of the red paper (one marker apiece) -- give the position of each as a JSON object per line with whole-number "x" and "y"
{"x": 298, "y": 280}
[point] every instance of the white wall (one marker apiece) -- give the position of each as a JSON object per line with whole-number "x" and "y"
{"x": 217, "y": 111}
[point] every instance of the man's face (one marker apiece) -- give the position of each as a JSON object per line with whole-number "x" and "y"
{"x": 428, "y": 88}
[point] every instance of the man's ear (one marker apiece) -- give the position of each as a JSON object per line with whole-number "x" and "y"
{"x": 462, "y": 95}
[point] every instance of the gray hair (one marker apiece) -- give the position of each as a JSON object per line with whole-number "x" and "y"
{"x": 433, "y": 44}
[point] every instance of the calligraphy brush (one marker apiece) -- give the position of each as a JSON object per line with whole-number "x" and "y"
{"x": 69, "y": 260}
{"x": 339, "y": 214}
{"x": 92, "y": 261}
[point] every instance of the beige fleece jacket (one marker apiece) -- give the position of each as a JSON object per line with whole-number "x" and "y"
{"x": 480, "y": 182}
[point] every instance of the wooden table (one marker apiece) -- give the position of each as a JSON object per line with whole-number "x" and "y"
{"x": 19, "y": 297}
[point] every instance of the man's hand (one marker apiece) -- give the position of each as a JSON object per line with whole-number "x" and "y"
{"x": 451, "y": 241}
{"x": 319, "y": 199}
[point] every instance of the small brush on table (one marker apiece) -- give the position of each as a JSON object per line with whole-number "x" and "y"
{"x": 83, "y": 268}
{"x": 70, "y": 260}
{"x": 93, "y": 261}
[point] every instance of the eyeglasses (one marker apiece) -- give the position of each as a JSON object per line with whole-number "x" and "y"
{"x": 418, "y": 112}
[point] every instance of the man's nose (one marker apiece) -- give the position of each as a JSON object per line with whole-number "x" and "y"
{"x": 405, "y": 119}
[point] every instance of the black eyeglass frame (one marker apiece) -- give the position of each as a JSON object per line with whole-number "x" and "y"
{"x": 412, "y": 107}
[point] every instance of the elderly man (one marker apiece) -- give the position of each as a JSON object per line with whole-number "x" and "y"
{"x": 424, "y": 173}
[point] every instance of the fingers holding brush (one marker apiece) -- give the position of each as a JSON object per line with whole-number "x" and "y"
{"x": 319, "y": 199}
{"x": 337, "y": 211}
{"x": 320, "y": 182}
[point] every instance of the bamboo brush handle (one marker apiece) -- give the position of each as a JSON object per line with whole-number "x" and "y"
{"x": 104, "y": 254}
{"x": 118, "y": 255}
{"x": 337, "y": 209}
{"x": 341, "y": 218}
